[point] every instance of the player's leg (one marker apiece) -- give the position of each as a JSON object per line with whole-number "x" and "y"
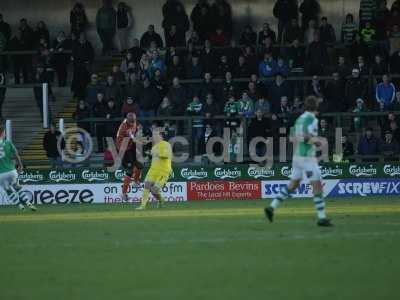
{"x": 23, "y": 197}
{"x": 157, "y": 187}
{"x": 148, "y": 184}
{"x": 137, "y": 171}
{"x": 314, "y": 174}
{"x": 127, "y": 164}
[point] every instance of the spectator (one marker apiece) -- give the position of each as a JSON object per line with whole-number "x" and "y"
{"x": 252, "y": 91}
{"x": 176, "y": 22}
{"x": 210, "y": 132}
{"x": 315, "y": 87}
{"x": 292, "y": 32}
{"x": 267, "y": 32}
{"x": 385, "y": 92}
{"x": 219, "y": 38}
{"x": 150, "y": 36}
{"x": 210, "y": 108}
{"x": 82, "y": 56}
{"x": 228, "y": 86}
{"x": 177, "y": 96}
{"x": 310, "y": 31}
{"x": 282, "y": 67}
{"x": 284, "y": 11}
{"x": 246, "y": 106}
{"x": 390, "y": 148}
{"x": 176, "y": 69}
{"x": 262, "y": 105}
{"x": 296, "y": 55}
{"x": 41, "y": 76}
{"x": 113, "y": 90}
{"x": 267, "y": 67}
{"x": 50, "y": 141}
{"x": 395, "y": 62}
{"x": 20, "y": 62}
{"x": 99, "y": 111}
{"x": 118, "y": 75}
{"x": 208, "y": 57}
{"x": 111, "y": 112}
{"x": 157, "y": 62}
{"x": 223, "y": 67}
{"x": 207, "y": 86}
{"x": 283, "y": 107}
{"x": 133, "y": 87}
{"x": 394, "y": 19}
{"x": 106, "y": 24}
{"x": 165, "y": 108}
{"x": 382, "y": 16}
{"x": 316, "y": 56}
{"x": 3, "y": 90}
{"x": 5, "y": 31}
{"x": 78, "y": 19}
{"x": 310, "y": 10}
{"x": 259, "y": 128}
{"x": 242, "y": 69}
{"x": 82, "y": 112}
{"x": 148, "y": 100}
{"x": 231, "y": 109}
{"x": 394, "y": 128}
{"x": 279, "y": 88}
{"x": 342, "y": 68}
{"x": 93, "y": 90}
{"x": 27, "y": 33}
{"x": 335, "y": 93}
{"x": 251, "y": 59}
{"x": 159, "y": 84}
{"x": 222, "y": 11}
{"x": 368, "y": 33}
{"x": 195, "y": 108}
{"x": 369, "y": 144}
{"x": 194, "y": 69}
{"x": 130, "y": 106}
{"x": 358, "y": 122}
{"x": 396, "y": 104}
{"x": 126, "y": 61}
{"x": 259, "y": 85}
{"x": 358, "y": 48}
{"x": 349, "y": 30}
{"x": 41, "y": 32}
{"x": 201, "y": 20}
{"x": 327, "y": 32}
{"x": 325, "y": 131}
{"x": 347, "y": 147}
{"x": 61, "y": 60}
{"x": 248, "y": 37}
{"x": 367, "y": 11}
{"x": 395, "y": 5}
{"x": 356, "y": 87}
{"x": 124, "y": 24}
{"x": 379, "y": 67}
{"x": 136, "y": 51}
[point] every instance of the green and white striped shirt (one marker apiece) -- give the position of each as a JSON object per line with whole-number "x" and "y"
{"x": 306, "y": 124}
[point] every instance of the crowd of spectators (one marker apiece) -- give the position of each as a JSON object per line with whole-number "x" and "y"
{"x": 194, "y": 69}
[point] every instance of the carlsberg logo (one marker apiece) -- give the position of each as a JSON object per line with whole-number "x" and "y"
{"x": 362, "y": 170}
{"x": 30, "y": 177}
{"x": 94, "y": 175}
{"x": 227, "y": 173}
{"x": 194, "y": 174}
{"x": 391, "y": 170}
{"x": 330, "y": 171}
{"x": 286, "y": 171}
{"x": 119, "y": 174}
{"x": 62, "y": 176}
{"x": 260, "y": 172}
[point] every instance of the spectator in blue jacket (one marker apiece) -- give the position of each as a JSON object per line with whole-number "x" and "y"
{"x": 267, "y": 67}
{"x": 157, "y": 63}
{"x": 369, "y": 144}
{"x": 385, "y": 92}
{"x": 282, "y": 67}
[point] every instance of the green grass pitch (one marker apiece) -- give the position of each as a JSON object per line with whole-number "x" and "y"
{"x": 201, "y": 250}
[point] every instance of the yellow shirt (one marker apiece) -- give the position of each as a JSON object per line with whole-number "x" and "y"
{"x": 162, "y": 157}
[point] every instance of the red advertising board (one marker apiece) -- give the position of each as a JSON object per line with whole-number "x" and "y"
{"x": 222, "y": 190}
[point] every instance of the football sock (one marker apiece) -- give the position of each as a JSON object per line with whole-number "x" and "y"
{"x": 160, "y": 197}
{"x": 145, "y": 197}
{"x": 125, "y": 186}
{"x": 136, "y": 174}
{"x": 319, "y": 203}
{"x": 283, "y": 195}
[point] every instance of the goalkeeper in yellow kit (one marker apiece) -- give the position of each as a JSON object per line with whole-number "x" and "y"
{"x": 160, "y": 169}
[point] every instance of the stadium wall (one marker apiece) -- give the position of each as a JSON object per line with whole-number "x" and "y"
{"x": 227, "y": 182}
{"x": 56, "y": 13}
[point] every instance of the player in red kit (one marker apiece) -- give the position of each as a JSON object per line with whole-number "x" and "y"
{"x": 133, "y": 168}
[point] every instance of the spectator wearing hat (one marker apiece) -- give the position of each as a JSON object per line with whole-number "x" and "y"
{"x": 385, "y": 92}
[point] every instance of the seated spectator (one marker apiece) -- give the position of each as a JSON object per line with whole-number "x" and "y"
{"x": 379, "y": 67}
{"x": 113, "y": 90}
{"x": 327, "y": 32}
{"x": 165, "y": 108}
{"x": 369, "y": 144}
{"x": 262, "y": 105}
{"x": 316, "y": 56}
{"x": 292, "y": 32}
{"x": 242, "y": 69}
{"x": 246, "y": 105}
{"x": 194, "y": 69}
{"x": 248, "y": 37}
{"x": 148, "y": 100}
{"x": 160, "y": 84}
{"x": 118, "y": 75}
{"x": 207, "y": 86}
{"x": 82, "y": 112}
{"x": 99, "y": 111}
{"x": 266, "y": 45}
{"x": 111, "y": 112}
{"x": 228, "y": 86}
{"x": 231, "y": 109}
{"x": 195, "y": 108}
{"x": 260, "y": 86}
{"x": 342, "y": 68}
{"x": 267, "y": 67}
{"x": 209, "y": 132}
{"x": 144, "y": 65}
{"x": 208, "y": 57}
{"x": 296, "y": 55}
{"x": 176, "y": 69}
{"x": 362, "y": 67}
{"x": 396, "y": 104}
{"x": 280, "y": 87}
{"x": 126, "y": 61}
{"x": 356, "y": 88}
{"x": 358, "y": 48}
{"x": 223, "y": 67}
{"x": 349, "y": 30}
{"x": 326, "y": 132}
{"x": 219, "y": 38}
{"x": 133, "y": 86}
{"x": 251, "y": 59}
{"x": 130, "y": 106}
{"x": 284, "y": 106}
{"x": 259, "y": 128}
{"x": 385, "y": 92}
{"x": 358, "y": 122}
{"x": 136, "y": 51}
{"x": 156, "y": 62}
{"x": 335, "y": 93}
{"x": 347, "y": 147}
{"x": 150, "y": 36}
{"x": 266, "y": 32}
{"x": 390, "y": 148}
{"x": 210, "y": 108}
{"x": 177, "y": 95}
{"x": 298, "y": 107}
{"x": 282, "y": 67}
{"x": 394, "y": 128}
{"x": 315, "y": 87}
{"x": 252, "y": 91}
{"x": 50, "y": 141}
{"x": 368, "y": 33}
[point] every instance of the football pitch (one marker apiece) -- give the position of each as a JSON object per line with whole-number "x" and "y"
{"x": 201, "y": 250}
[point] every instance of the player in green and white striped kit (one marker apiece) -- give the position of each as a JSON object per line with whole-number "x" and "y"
{"x": 305, "y": 162}
{"x": 9, "y": 175}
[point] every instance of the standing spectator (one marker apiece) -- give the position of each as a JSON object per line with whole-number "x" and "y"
{"x": 367, "y": 11}
{"x": 175, "y": 19}
{"x": 165, "y": 108}
{"x": 150, "y": 36}
{"x": 379, "y": 67}
{"x": 41, "y": 32}
{"x": 310, "y": 10}
{"x": 342, "y": 68}
{"x": 358, "y": 122}
{"x": 99, "y": 111}
{"x": 113, "y": 90}
{"x": 368, "y": 33}
{"x": 223, "y": 16}
{"x": 194, "y": 69}
{"x": 148, "y": 100}
{"x": 369, "y": 144}
{"x": 124, "y": 24}
{"x": 3, "y": 91}
{"x": 327, "y": 32}
{"x": 78, "y": 19}
{"x": 106, "y": 24}
{"x": 267, "y": 67}
{"x": 349, "y": 30}
{"x": 316, "y": 56}
{"x": 292, "y": 32}
{"x": 200, "y": 18}
{"x": 50, "y": 141}
{"x": 248, "y": 37}
{"x": 195, "y": 108}
{"x": 136, "y": 51}
{"x": 27, "y": 33}
{"x": 356, "y": 88}
{"x": 133, "y": 86}
{"x": 157, "y": 63}
{"x": 246, "y": 105}
{"x": 266, "y": 32}
{"x": 82, "y": 56}
{"x": 219, "y": 38}
{"x": 284, "y": 11}
{"x": 82, "y": 112}
{"x": 309, "y": 31}
{"x": 262, "y": 105}
{"x": 111, "y": 112}
{"x": 279, "y": 88}
{"x": 390, "y": 148}
{"x": 5, "y": 30}
{"x": 21, "y": 62}
{"x": 93, "y": 90}
{"x": 335, "y": 93}
{"x": 282, "y": 67}
{"x": 347, "y": 147}
{"x": 385, "y": 92}
{"x": 41, "y": 76}
{"x": 61, "y": 59}
{"x": 130, "y": 106}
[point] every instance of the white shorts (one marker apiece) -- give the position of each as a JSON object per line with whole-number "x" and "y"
{"x": 8, "y": 178}
{"x": 305, "y": 166}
